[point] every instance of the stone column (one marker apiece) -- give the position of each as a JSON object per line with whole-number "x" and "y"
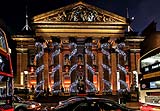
{"x": 85, "y": 70}
{"x": 132, "y": 61}
{"x": 114, "y": 73}
{"x": 85, "y": 62}
{"x": 100, "y": 70}
{"x": 19, "y": 68}
{"x": 60, "y": 69}
{"x": 22, "y": 61}
{"x": 46, "y": 69}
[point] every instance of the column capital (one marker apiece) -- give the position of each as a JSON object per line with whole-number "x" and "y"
{"x": 46, "y": 49}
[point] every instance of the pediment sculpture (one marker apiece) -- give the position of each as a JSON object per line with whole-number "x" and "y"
{"x": 79, "y": 13}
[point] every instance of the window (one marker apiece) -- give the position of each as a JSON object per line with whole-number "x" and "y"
{"x": 2, "y": 42}
{"x": 5, "y": 89}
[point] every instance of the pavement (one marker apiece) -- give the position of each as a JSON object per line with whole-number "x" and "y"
{"x": 133, "y": 105}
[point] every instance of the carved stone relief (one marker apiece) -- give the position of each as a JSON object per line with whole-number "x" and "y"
{"x": 79, "y": 14}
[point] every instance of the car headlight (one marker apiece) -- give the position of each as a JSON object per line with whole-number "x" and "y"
{"x": 39, "y": 104}
{"x": 60, "y": 102}
{"x": 32, "y": 106}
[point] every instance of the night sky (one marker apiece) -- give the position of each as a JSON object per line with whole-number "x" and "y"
{"x": 12, "y": 12}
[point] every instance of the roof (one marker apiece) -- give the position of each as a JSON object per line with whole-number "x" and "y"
{"x": 79, "y": 9}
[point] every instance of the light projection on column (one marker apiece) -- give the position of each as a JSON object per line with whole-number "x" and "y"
{"x": 107, "y": 87}
{"x": 72, "y": 68}
{"x": 55, "y": 44}
{"x": 105, "y": 52}
{"x": 73, "y": 86}
{"x": 55, "y": 69}
{"x": 87, "y": 51}
{"x": 88, "y": 44}
{"x": 124, "y": 84}
{"x": 91, "y": 87}
{"x": 40, "y": 54}
{"x": 39, "y": 69}
{"x": 90, "y": 69}
{"x": 120, "y": 51}
{"x": 56, "y": 84}
{"x": 37, "y": 88}
{"x": 55, "y": 53}
{"x": 74, "y": 51}
{"x": 107, "y": 68}
{"x": 122, "y": 69}
{"x": 121, "y": 45}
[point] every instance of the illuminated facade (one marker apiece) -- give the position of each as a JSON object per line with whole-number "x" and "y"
{"x": 80, "y": 47}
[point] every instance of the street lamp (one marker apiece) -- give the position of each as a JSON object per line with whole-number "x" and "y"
{"x": 25, "y": 72}
{"x": 25, "y": 78}
{"x": 25, "y": 81}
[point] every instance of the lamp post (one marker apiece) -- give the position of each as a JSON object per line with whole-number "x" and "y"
{"x": 25, "y": 78}
{"x": 25, "y": 82}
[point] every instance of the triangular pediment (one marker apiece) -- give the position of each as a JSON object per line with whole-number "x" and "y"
{"x": 79, "y": 12}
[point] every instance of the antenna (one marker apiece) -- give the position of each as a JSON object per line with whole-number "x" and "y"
{"x": 127, "y": 13}
{"x": 129, "y": 20}
{"x": 26, "y": 27}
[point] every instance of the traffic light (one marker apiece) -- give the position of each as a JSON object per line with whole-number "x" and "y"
{"x": 32, "y": 69}
{"x": 135, "y": 78}
{"x": 80, "y": 66}
{"x": 126, "y": 67}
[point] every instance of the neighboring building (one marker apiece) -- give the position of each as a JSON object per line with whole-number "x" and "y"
{"x": 150, "y": 68}
{"x": 78, "y": 47}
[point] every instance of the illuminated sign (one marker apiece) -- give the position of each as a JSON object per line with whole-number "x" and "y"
{"x": 151, "y": 68}
{"x": 150, "y": 60}
{"x": 155, "y": 84}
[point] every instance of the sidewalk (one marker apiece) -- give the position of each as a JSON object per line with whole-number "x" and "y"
{"x": 134, "y": 105}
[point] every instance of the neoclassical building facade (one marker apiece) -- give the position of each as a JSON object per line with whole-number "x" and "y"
{"x": 78, "y": 47}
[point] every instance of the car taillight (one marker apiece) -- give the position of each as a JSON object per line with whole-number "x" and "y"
{"x": 148, "y": 108}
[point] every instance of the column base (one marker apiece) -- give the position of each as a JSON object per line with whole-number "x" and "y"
{"x": 114, "y": 92}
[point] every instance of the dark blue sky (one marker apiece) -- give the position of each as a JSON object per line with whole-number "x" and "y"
{"x": 12, "y": 12}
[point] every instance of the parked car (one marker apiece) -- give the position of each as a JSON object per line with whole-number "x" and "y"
{"x": 89, "y": 104}
{"x": 21, "y": 105}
